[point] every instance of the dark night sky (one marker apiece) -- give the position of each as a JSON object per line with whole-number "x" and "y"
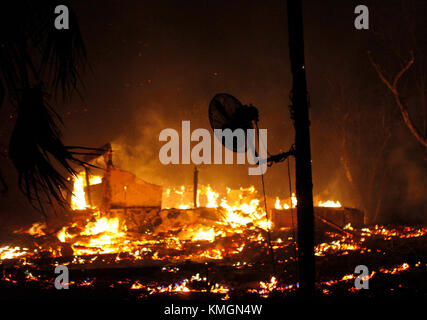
{"x": 156, "y": 63}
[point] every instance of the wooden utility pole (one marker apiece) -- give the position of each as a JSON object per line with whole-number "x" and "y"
{"x": 106, "y": 183}
{"x": 304, "y": 184}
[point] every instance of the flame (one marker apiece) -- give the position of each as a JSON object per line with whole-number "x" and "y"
{"x": 208, "y": 235}
{"x": 266, "y": 288}
{"x": 277, "y": 204}
{"x": 287, "y": 204}
{"x": 239, "y": 207}
{"x": 78, "y": 199}
{"x": 329, "y": 204}
{"x": 402, "y": 267}
{"x": 101, "y": 235}
{"x": 237, "y": 212}
{"x": 292, "y": 203}
{"x": 37, "y": 229}
{"x": 95, "y": 180}
{"x": 8, "y": 252}
{"x": 294, "y": 200}
{"x": 212, "y": 198}
{"x": 243, "y": 213}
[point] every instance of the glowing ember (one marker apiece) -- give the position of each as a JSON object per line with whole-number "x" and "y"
{"x": 12, "y": 253}
{"x": 395, "y": 270}
{"x": 232, "y": 232}
{"x": 265, "y": 288}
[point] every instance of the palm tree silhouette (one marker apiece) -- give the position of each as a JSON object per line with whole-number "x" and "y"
{"x": 38, "y": 62}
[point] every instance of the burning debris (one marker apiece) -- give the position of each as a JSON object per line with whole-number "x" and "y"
{"x": 227, "y": 231}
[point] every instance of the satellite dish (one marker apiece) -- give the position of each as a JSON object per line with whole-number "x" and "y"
{"x": 227, "y": 112}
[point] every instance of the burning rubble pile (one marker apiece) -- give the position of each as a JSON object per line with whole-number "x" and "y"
{"x": 132, "y": 230}
{"x": 147, "y": 226}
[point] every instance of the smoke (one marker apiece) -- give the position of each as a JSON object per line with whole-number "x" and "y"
{"x": 405, "y": 188}
{"x": 137, "y": 148}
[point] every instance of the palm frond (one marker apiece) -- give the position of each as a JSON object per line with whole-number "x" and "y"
{"x": 32, "y": 50}
{"x": 35, "y": 147}
{"x": 63, "y": 53}
{"x": 36, "y": 58}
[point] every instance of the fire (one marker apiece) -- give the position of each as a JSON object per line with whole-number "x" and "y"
{"x": 269, "y": 286}
{"x": 103, "y": 225}
{"x": 8, "y": 252}
{"x": 238, "y": 207}
{"x": 37, "y": 229}
{"x": 279, "y": 206}
{"x": 287, "y": 204}
{"x": 342, "y": 245}
{"x": 294, "y": 200}
{"x": 78, "y": 199}
{"x": 402, "y": 267}
{"x": 212, "y": 198}
{"x": 244, "y": 213}
{"x": 292, "y": 203}
{"x": 240, "y": 215}
{"x": 103, "y": 234}
{"x": 329, "y": 204}
{"x": 95, "y": 180}
{"x": 229, "y": 233}
{"x": 239, "y": 210}
{"x": 208, "y": 235}
{"x": 266, "y": 288}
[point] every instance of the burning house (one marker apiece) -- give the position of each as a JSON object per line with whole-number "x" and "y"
{"x": 122, "y": 222}
{"x": 142, "y": 207}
